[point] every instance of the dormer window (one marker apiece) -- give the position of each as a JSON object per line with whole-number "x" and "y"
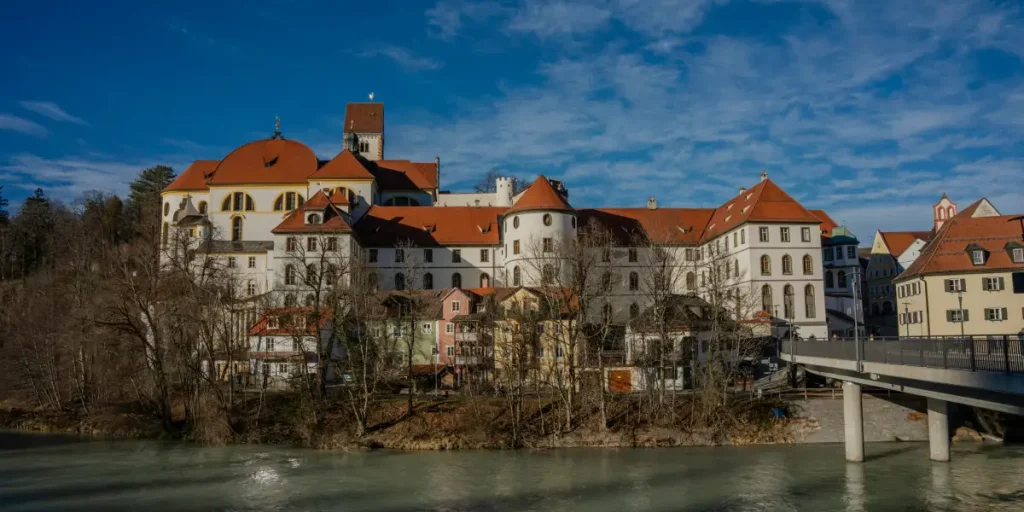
{"x": 977, "y": 253}
{"x": 314, "y": 218}
{"x": 1018, "y": 254}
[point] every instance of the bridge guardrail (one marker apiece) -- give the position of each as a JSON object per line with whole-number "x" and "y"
{"x": 995, "y": 353}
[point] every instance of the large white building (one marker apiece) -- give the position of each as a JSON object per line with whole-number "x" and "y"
{"x": 275, "y": 212}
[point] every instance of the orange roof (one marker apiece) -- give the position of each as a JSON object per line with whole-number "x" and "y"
{"x": 295, "y": 222}
{"x": 319, "y": 200}
{"x": 194, "y": 177}
{"x": 827, "y": 224}
{"x": 386, "y": 226}
{"x": 339, "y": 197}
{"x": 266, "y": 161}
{"x": 672, "y": 226}
{"x": 344, "y": 166}
{"x": 404, "y": 175}
{"x": 899, "y": 241}
{"x": 764, "y": 202}
{"x": 540, "y": 196}
{"x": 947, "y": 252}
{"x": 261, "y": 328}
{"x": 364, "y": 117}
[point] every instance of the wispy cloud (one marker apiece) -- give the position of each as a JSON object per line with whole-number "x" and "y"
{"x": 21, "y": 125}
{"x": 52, "y": 111}
{"x": 71, "y": 176}
{"x": 402, "y": 57}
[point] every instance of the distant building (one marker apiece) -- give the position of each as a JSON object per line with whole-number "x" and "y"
{"x": 842, "y": 271}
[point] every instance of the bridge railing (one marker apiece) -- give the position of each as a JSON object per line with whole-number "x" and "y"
{"x": 996, "y": 353}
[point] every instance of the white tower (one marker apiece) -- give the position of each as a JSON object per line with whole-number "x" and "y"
{"x": 534, "y": 230}
{"x": 503, "y": 190}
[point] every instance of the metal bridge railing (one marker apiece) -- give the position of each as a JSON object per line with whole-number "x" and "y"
{"x": 996, "y": 353}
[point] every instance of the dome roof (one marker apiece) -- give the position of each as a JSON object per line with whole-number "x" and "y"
{"x": 266, "y": 161}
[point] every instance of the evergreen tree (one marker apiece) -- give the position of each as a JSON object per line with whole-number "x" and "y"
{"x": 144, "y": 198}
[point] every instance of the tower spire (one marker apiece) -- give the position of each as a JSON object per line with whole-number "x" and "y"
{"x": 277, "y": 128}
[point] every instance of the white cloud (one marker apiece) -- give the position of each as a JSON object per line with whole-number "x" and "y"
{"x": 67, "y": 178}
{"x": 402, "y": 57}
{"x": 52, "y": 111}
{"x": 547, "y": 19}
{"x": 21, "y": 125}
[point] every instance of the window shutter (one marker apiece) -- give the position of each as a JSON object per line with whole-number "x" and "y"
{"x": 1002, "y": 283}
{"x": 1005, "y": 315}
{"x": 949, "y": 315}
{"x": 963, "y": 285}
{"x": 967, "y": 315}
{"x": 948, "y": 284}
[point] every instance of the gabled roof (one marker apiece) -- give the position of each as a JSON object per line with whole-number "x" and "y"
{"x": 540, "y": 196}
{"x": 194, "y": 177}
{"x": 344, "y": 166}
{"x": 899, "y": 241}
{"x": 948, "y": 251}
{"x": 285, "y": 328}
{"x": 364, "y": 117}
{"x": 423, "y": 226}
{"x": 404, "y": 175}
{"x": 764, "y": 202}
{"x": 827, "y": 224}
{"x": 295, "y": 222}
{"x": 266, "y": 161}
{"x": 671, "y": 226}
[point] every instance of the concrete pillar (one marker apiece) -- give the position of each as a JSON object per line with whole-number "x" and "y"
{"x": 853, "y": 420}
{"x": 938, "y": 429}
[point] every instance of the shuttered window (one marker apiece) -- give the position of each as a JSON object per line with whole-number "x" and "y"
{"x": 993, "y": 284}
{"x": 956, "y": 285}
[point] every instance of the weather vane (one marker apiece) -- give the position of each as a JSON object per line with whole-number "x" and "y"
{"x": 277, "y": 127}
{"x": 371, "y": 96}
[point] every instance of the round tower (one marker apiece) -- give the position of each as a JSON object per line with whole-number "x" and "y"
{"x": 539, "y": 226}
{"x": 504, "y": 187}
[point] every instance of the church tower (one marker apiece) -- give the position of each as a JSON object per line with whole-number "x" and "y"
{"x": 943, "y": 210}
{"x": 364, "y": 129}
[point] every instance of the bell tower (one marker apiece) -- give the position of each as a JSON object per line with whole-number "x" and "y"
{"x": 943, "y": 210}
{"x": 364, "y": 129}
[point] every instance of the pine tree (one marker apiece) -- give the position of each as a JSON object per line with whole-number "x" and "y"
{"x": 144, "y": 198}
{"x": 4, "y": 217}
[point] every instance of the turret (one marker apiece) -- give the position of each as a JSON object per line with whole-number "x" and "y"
{"x": 943, "y": 210}
{"x": 504, "y": 188}
{"x": 536, "y": 228}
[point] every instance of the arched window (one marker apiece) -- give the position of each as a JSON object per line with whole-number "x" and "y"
{"x": 165, "y": 234}
{"x": 808, "y": 265}
{"x": 310, "y": 300}
{"x": 311, "y": 274}
{"x": 787, "y": 302}
{"x": 428, "y": 281}
{"x": 289, "y": 274}
{"x": 829, "y": 281}
{"x": 314, "y": 218}
{"x": 634, "y": 311}
{"x": 548, "y": 274}
{"x": 238, "y": 202}
{"x": 202, "y": 207}
{"x": 288, "y": 201}
{"x": 516, "y": 276}
{"x": 634, "y": 281}
{"x": 691, "y": 281}
{"x": 236, "y": 229}
{"x": 942, "y": 213}
{"x": 289, "y": 300}
{"x": 950, "y": 212}
{"x": 766, "y": 299}
{"x": 515, "y": 222}
{"x": 485, "y": 280}
{"x": 399, "y": 281}
{"x": 547, "y": 219}
{"x": 809, "y": 301}
{"x": 842, "y": 279}
{"x": 766, "y": 266}
{"x": 787, "y": 264}
{"x": 167, "y": 208}
{"x": 456, "y": 280}
{"x": 736, "y": 268}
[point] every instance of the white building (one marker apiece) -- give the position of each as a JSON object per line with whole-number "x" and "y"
{"x": 276, "y": 213}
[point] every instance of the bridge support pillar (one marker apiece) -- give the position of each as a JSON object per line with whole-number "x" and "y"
{"x": 938, "y": 429}
{"x": 853, "y": 420}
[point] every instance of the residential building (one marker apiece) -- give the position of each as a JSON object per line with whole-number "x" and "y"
{"x": 969, "y": 279}
{"x": 843, "y": 273}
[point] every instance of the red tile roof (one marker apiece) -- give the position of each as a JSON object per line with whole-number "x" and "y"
{"x": 764, "y": 202}
{"x": 827, "y": 224}
{"x": 424, "y": 226}
{"x": 947, "y": 251}
{"x": 671, "y": 226}
{"x": 333, "y": 220}
{"x": 540, "y": 196}
{"x": 899, "y": 241}
{"x": 194, "y": 177}
{"x": 266, "y": 161}
{"x": 404, "y": 175}
{"x": 344, "y": 166}
{"x": 260, "y": 328}
{"x": 364, "y": 118}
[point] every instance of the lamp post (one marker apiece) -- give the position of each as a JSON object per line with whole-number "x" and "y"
{"x": 960, "y": 305}
{"x": 906, "y": 316}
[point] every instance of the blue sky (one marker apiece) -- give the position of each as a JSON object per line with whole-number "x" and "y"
{"x": 867, "y": 109}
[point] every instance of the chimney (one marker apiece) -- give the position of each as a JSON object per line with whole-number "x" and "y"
{"x": 437, "y": 164}
{"x": 652, "y": 203}
{"x": 742, "y": 190}
{"x": 764, "y": 175}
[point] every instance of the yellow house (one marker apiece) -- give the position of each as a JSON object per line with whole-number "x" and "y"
{"x": 532, "y": 341}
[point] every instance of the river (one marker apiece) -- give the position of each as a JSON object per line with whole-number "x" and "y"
{"x": 57, "y": 473}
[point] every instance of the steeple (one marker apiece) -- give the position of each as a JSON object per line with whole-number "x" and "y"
{"x": 943, "y": 210}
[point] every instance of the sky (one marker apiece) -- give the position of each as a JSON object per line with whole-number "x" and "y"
{"x": 869, "y": 110}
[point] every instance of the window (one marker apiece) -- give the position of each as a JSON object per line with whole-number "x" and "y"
{"x": 978, "y": 257}
{"x": 291, "y": 244}
{"x": 236, "y": 229}
{"x": 515, "y": 247}
{"x": 428, "y": 281}
{"x": 632, "y": 256}
{"x": 250, "y": 288}
{"x": 548, "y": 245}
{"x": 252, "y": 261}
{"x": 829, "y": 280}
{"x": 634, "y": 281}
{"x": 766, "y": 299}
{"x": 449, "y": 328}
{"x": 231, "y": 262}
{"x": 456, "y": 306}
{"x": 805, "y": 234}
{"x": 726, "y": 244}
{"x": 484, "y": 256}
{"x": 784, "y": 234}
{"x": 829, "y": 255}
{"x": 957, "y": 315}
{"x": 456, "y": 256}
{"x": 691, "y": 281}
{"x": 516, "y": 277}
{"x": 735, "y": 239}
{"x": 330, "y": 275}
{"x": 311, "y": 275}
{"x": 764, "y": 234}
{"x": 743, "y": 237}
{"x": 515, "y": 222}
{"x": 993, "y": 284}
{"x": 314, "y": 218}
{"x": 841, "y": 279}
{"x": 787, "y": 302}
{"x": 332, "y": 244}
{"x": 606, "y": 281}
{"x": 809, "y": 301}
{"x": 634, "y": 311}
{"x": 485, "y": 281}
{"x": 766, "y": 265}
{"x": 373, "y": 256}
{"x": 955, "y": 285}
{"x": 288, "y": 201}
{"x": 451, "y": 350}
{"x": 428, "y": 255}
{"x": 548, "y": 274}
{"x": 787, "y": 265}
{"x": 311, "y": 244}
{"x": 371, "y": 281}
{"x": 808, "y": 265}
{"x": 399, "y": 255}
{"x": 289, "y": 274}
{"x": 310, "y": 300}
{"x": 851, "y": 252}
{"x": 995, "y": 314}
{"x": 689, "y": 255}
{"x": 202, "y": 207}
{"x": 399, "y": 281}
{"x": 547, "y": 219}
{"x": 1018, "y": 255}
{"x": 167, "y": 208}
{"x": 456, "y": 280}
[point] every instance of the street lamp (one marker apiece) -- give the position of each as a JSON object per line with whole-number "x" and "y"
{"x": 906, "y": 316}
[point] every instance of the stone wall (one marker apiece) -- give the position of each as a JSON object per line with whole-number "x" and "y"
{"x": 886, "y": 418}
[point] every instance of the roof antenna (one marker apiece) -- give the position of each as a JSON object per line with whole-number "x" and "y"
{"x": 371, "y": 96}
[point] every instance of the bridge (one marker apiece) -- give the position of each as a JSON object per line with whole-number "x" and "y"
{"x": 979, "y": 371}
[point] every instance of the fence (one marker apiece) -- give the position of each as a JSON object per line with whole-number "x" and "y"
{"x": 999, "y": 353}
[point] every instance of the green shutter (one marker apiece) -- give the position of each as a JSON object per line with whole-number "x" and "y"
{"x": 967, "y": 315}
{"x": 1005, "y": 315}
{"x": 948, "y": 283}
{"x": 949, "y": 315}
{"x": 963, "y": 285}
{"x": 1002, "y": 284}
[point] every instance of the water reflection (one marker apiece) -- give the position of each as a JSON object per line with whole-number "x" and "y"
{"x": 154, "y": 477}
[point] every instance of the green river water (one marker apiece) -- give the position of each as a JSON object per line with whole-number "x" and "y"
{"x": 57, "y": 473}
